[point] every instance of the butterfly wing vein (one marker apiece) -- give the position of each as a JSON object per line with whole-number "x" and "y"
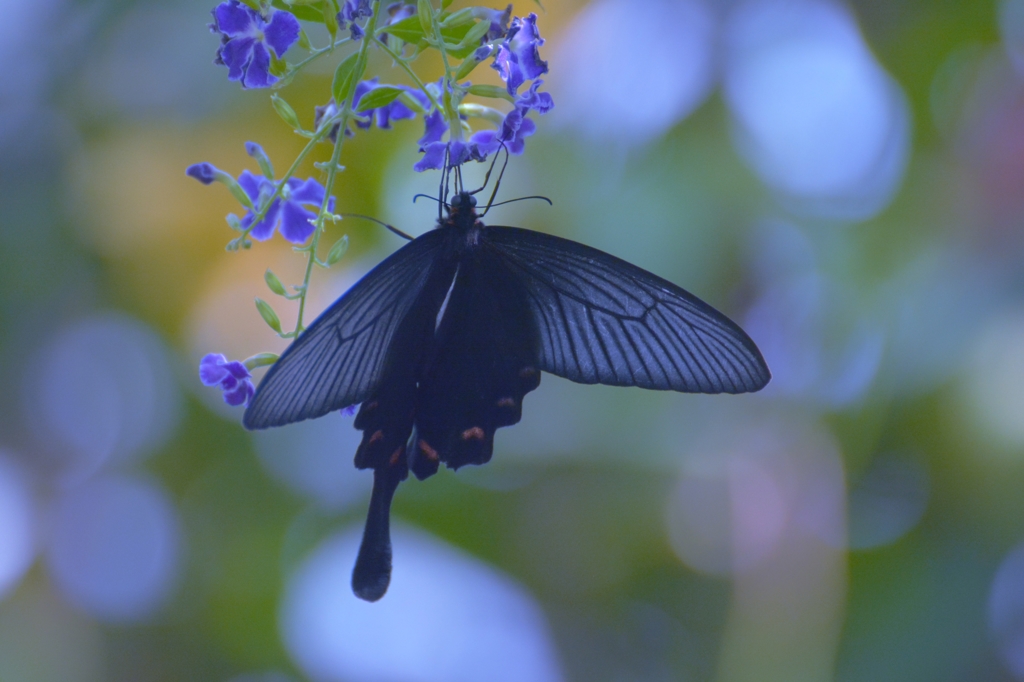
{"x": 603, "y": 320}
{"x": 338, "y": 360}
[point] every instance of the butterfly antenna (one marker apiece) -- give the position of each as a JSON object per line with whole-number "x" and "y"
{"x": 497, "y": 183}
{"x": 535, "y": 196}
{"x": 487, "y": 177}
{"x": 442, "y": 190}
{"x": 379, "y": 222}
{"x": 424, "y": 195}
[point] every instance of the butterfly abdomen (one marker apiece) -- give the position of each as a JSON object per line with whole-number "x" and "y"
{"x": 485, "y": 362}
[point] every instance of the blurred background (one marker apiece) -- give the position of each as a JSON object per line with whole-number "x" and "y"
{"x": 845, "y": 180}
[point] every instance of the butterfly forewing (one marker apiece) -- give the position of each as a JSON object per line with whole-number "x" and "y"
{"x": 338, "y": 361}
{"x": 603, "y": 320}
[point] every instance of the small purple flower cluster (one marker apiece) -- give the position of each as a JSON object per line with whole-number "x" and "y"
{"x": 287, "y": 214}
{"x": 253, "y": 44}
{"x": 516, "y": 60}
{"x": 246, "y": 36}
{"x": 353, "y": 10}
{"x": 232, "y": 377}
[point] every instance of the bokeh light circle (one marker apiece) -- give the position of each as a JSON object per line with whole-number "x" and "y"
{"x": 447, "y": 617}
{"x": 995, "y": 381}
{"x": 735, "y": 504}
{"x": 887, "y": 500}
{"x": 605, "y": 95}
{"x": 314, "y": 458}
{"x": 17, "y": 523}
{"x": 101, "y": 390}
{"x": 114, "y": 547}
{"x": 815, "y": 115}
{"x": 1011, "y": 26}
{"x": 1006, "y": 611}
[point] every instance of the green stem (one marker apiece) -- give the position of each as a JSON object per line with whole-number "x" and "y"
{"x": 313, "y": 55}
{"x": 408, "y": 69}
{"x": 454, "y": 124}
{"x": 332, "y": 170}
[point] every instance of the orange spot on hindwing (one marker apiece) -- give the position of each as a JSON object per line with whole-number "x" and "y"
{"x": 428, "y": 452}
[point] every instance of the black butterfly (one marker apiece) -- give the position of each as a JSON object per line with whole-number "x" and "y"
{"x": 443, "y": 339}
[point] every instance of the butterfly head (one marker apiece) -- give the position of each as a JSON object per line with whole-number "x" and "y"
{"x": 462, "y": 211}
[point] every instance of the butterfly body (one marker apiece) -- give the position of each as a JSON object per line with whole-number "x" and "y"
{"x": 441, "y": 342}
{"x": 459, "y": 363}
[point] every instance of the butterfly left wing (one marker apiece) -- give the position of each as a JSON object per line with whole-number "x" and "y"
{"x": 339, "y": 359}
{"x": 604, "y": 320}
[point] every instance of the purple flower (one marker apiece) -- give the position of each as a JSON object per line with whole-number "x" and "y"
{"x": 287, "y": 213}
{"x": 232, "y": 377}
{"x": 328, "y": 111}
{"x": 434, "y": 128}
{"x": 514, "y": 131}
{"x": 396, "y": 12}
{"x": 518, "y": 58}
{"x": 434, "y": 155}
{"x": 434, "y": 151}
{"x": 245, "y": 37}
{"x": 499, "y": 22}
{"x": 396, "y": 110}
{"x": 350, "y": 12}
{"x": 540, "y": 102}
{"x": 204, "y": 172}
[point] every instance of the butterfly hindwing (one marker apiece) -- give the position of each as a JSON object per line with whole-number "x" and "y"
{"x": 485, "y": 362}
{"x": 338, "y": 360}
{"x": 603, "y": 320}
{"x": 387, "y": 414}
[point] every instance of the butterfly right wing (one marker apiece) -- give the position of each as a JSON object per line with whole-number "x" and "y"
{"x": 604, "y": 320}
{"x": 339, "y": 359}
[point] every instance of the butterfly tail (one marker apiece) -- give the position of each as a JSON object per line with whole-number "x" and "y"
{"x": 372, "y": 573}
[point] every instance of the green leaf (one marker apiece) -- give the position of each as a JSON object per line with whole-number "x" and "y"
{"x": 425, "y": 12}
{"x": 344, "y": 79}
{"x": 304, "y": 40}
{"x": 274, "y": 283}
{"x": 454, "y": 37}
{"x": 475, "y": 34}
{"x": 329, "y": 18}
{"x": 409, "y": 30}
{"x": 463, "y": 16}
{"x": 379, "y": 97}
{"x": 253, "y": 4}
{"x": 411, "y": 102}
{"x": 337, "y": 251}
{"x": 307, "y": 11}
{"x": 285, "y": 111}
{"x": 455, "y": 34}
{"x": 446, "y": 3}
{"x": 278, "y": 67}
{"x": 268, "y": 315}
